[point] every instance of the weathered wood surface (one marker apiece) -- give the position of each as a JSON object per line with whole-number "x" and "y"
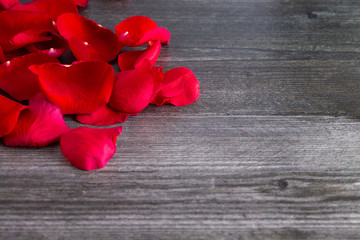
{"x": 271, "y": 150}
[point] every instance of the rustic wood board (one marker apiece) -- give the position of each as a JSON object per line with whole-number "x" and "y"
{"x": 271, "y": 149}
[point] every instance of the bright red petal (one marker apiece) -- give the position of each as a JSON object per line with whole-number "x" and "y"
{"x": 133, "y": 89}
{"x": 38, "y": 126}
{"x": 17, "y": 80}
{"x": 53, "y": 8}
{"x": 138, "y": 30}
{"x": 179, "y": 87}
{"x": 87, "y": 39}
{"x": 55, "y": 47}
{"x": 81, "y": 3}
{"x": 9, "y": 114}
{"x": 89, "y": 148}
{"x": 103, "y": 116}
{"x": 133, "y": 59}
{"x": 80, "y": 88}
{"x": 6, "y": 4}
{"x": 19, "y": 29}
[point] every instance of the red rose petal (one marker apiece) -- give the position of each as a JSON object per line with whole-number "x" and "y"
{"x": 133, "y": 59}
{"x": 80, "y": 88}
{"x": 87, "y": 39}
{"x": 133, "y": 89}
{"x": 53, "y": 8}
{"x": 89, "y": 148}
{"x": 38, "y": 126}
{"x": 81, "y": 3}
{"x": 55, "y": 47}
{"x": 138, "y": 30}
{"x": 103, "y": 116}
{"x": 17, "y": 80}
{"x": 6, "y": 4}
{"x": 179, "y": 87}
{"x": 9, "y": 114}
{"x": 19, "y": 29}
{"x": 16, "y": 53}
{"x": 2, "y": 55}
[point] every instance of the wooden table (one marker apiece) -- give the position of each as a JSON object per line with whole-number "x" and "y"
{"x": 271, "y": 150}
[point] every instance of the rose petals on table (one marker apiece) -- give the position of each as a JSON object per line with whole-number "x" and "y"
{"x": 89, "y": 148}
{"x": 53, "y": 8}
{"x": 138, "y": 30}
{"x": 17, "y": 80}
{"x": 9, "y": 114}
{"x": 87, "y": 39}
{"x": 19, "y": 29}
{"x": 179, "y": 87}
{"x": 80, "y": 88}
{"x": 133, "y": 59}
{"x": 38, "y": 126}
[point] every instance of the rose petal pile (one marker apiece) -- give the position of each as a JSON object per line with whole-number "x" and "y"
{"x": 38, "y": 90}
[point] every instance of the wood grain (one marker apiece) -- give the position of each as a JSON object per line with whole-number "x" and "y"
{"x": 271, "y": 149}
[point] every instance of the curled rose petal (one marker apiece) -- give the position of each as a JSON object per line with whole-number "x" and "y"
{"x": 38, "y": 126}
{"x": 53, "y": 8}
{"x": 19, "y": 29}
{"x": 87, "y": 39}
{"x": 133, "y": 59}
{"x": 138, "y": 30}
{"x": 103, "y": 116}
{"x": 81, "y": 3}
{"x": 17, "y": 80}
{"x": 89, "y": 148}
{"x": 6, "y": 4}
{"x": 9, "y": 114}
{"x": 80, "y": 88}
{"x": 55, "y": 47}
{"x": 133, "y": 89}
{"x": 179, "y": 87}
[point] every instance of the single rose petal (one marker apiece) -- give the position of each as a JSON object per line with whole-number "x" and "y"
{"x": 9, "y": 114}
{"x": 53, "y": 8}
{"x": 17, "y": 80}
{"x": 138, "y": 30}
{"x": 38, "y": 126}
{"x": 16, "y": 53}
{"x": 55, "y": 47}
{"x": 6, "y": 4}
{"x": 103, "y": 116}
{"x": 133, "y": 59}
{"x": 133, "y": 89}
{"x": 80, "y": 88}
{"x": 87, "y": 39}
{"x": 19, "y": 29}
{"x": 89, "y": 148}
{"x": 81, "y": 3}
{"x": 179, "y": 87}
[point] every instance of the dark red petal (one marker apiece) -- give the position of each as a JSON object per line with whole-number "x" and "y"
{"x": 138, "y": 30}
{"x": 133, "y": 59}
{"x": 89, "y": 148}
{"x": 179, "y": 87}
{"x": 6, "y": 4}
{"x": 2, "y": 55}
{"x": 103, "y": 116}
{"x": 9, "y": 114}
{"x": 38, "y": 126}
{"x": 53, "y": 8}
{"x": 87, "y": 39}
{"x": 80, "y": 88}
{"x": 81, "y": 3}
{"x": 55, "y": 47}
{"x": 133, "y": 89}
{"x": 16, "y": 53}
{"x": 19, "y": 29}
{"x": 17, "y": 80}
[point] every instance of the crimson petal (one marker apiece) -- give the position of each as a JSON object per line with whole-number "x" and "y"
{"x": 17, "y": 80}
{"x": 133, "y": 59}
{"x": 89, "y": 148}
{"x": 103, "y": 116}
{"x": 9, "y": 114}
{"x": 80, "y": 88}
{"x": 38, "y": 126}
{"x": 6, "y": 4}
{"x": 55, "y": 47}
{"x": 138, "y": 30}
{"x": 87, "y": 39}
{"x": 179, "y": 87}
{"x": 133, "y": 89}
